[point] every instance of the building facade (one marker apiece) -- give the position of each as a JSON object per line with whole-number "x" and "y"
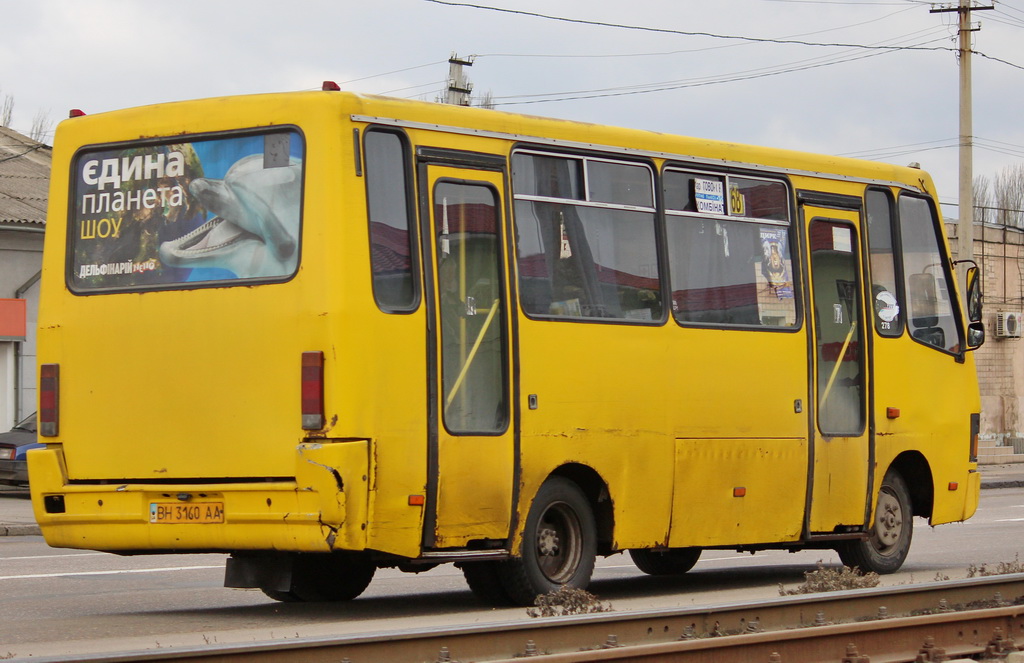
{"x": 999, "y": 252}
{"x": 24, "y": 180}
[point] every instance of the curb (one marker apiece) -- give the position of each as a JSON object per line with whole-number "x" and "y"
{"x": 1003, "y": 483}
{"x": 20, "y": 530}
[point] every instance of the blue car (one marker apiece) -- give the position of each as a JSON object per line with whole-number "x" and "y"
{"x": 13, "y": 447}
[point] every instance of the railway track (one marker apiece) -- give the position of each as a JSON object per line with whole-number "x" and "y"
{"x": 927, "y": 622}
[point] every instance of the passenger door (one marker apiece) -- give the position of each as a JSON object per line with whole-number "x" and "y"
{"x": 843, "y": 446}
{"x": 471, "y": 454}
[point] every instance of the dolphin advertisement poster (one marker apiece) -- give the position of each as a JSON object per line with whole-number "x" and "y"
{"x": 184, "y": 214}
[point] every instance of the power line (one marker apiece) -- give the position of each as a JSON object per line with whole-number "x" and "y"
{"x": 686, "y": 33}
{"x": 677, "y": 85}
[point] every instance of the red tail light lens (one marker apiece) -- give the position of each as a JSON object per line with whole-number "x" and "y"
{"x": 49, "y": 400}
{"x": 312, "y": 390}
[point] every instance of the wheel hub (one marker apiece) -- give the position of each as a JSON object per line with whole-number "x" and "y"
{"x": 889, "y": 523}
{"x": 547, "y": 542}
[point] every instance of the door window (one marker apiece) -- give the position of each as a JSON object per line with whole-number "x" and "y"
{"x": 838, "y": 343}
{"x": 473, "y": 338}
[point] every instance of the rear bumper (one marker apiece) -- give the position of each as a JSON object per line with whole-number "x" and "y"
{"x": 322, "y": 509}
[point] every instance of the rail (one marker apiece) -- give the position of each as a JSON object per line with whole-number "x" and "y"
{"x": 927, "y": 622}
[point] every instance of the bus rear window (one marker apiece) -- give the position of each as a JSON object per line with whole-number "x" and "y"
{"x": 185, "y": 213}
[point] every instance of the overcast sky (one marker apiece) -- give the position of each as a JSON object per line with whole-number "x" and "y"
{"x": 650, "y": 70}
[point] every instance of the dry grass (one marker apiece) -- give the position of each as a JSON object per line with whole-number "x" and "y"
{"x": 1002, "y": 568}
{"x": 567, "y": 601}
{"x": 832, "y": 580}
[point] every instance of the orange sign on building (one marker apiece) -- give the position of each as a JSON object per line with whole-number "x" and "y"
{"x": 12, "y": 320}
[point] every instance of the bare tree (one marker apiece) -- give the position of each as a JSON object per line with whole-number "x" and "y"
{"x": 6, "y": 111}
{"x": 1009, "y": 196}
{"x": 984, "y": 203}
{"x": 486, "y": 101}
{"x": 41, "y": 126}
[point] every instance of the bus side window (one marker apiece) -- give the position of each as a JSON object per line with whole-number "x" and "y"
{"x": 586, "y": 238}
{"x": 887, "y": 303}
{"x": 390, "y": 209}
{"x": 729, "y": 250}
{"x": 926, "y": 277}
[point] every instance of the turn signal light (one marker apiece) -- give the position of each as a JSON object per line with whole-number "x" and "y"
{"x": 312, "y": 390}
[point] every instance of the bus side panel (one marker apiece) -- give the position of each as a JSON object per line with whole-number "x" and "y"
{"x": 601, "y": 402}
{"x": 935, "y": 397}
{"x": 738, "y": 491}
{"x": 380, "y": 370}
{"x": 737, "y": 384}
{"x": 739, "y": 417}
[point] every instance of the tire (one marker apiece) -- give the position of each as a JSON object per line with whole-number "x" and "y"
{"x": 671, "y": 562}
{"x": 484, "y": 581}
{"x": 892, "y": 529}
{"x": 559, "y": 544}
{"x": 325, "y": 577}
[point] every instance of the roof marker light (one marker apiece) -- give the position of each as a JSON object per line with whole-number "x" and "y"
{"x": 331, "y": 86}
{"x": 76, "y": 112}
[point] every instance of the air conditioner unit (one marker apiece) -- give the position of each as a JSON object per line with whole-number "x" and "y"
{"x": 1008, "y": 324}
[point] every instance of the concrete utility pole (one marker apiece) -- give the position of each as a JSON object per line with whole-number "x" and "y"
{"x": 459, "y": 87}
{"x": 965, "y": 226}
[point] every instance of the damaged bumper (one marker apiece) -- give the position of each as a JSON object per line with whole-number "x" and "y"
{"x": 322, "y": 508}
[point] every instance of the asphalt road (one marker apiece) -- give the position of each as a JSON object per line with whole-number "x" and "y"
{"x": 59, "y": 602}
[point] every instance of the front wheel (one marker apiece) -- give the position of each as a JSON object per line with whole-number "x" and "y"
{"x": 559, "y": 544}
{"x": 888, "y": 541}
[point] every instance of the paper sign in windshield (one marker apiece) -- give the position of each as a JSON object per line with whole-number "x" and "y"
{"x": 710, "y": 196}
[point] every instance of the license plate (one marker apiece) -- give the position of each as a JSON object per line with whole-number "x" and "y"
{"x": 186, "y": 512}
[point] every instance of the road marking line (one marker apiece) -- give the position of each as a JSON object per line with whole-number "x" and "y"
{"x": 64, "y": 556}
{"x": 1009, "y": 520}
{"x": 108, "y": 573}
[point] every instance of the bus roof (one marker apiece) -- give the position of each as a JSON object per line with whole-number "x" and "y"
{"x": 166, "y": 119}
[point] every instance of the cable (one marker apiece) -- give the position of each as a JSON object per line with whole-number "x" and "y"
{"x": 671, "y": 85}
{"x": 685, "y": 33}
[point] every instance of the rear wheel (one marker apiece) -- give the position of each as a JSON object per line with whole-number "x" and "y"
{"x": 485, "y": 582}
{"x": 670, "y": 562}
{"x": 888, "y": 541}
{"x": 559, "y": 544}
{"x": 325, "y": 577}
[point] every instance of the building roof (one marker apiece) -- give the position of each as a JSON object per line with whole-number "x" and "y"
{"x": 24, "y": 179}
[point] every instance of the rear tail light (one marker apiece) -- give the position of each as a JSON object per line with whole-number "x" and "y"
{"x": 312, "y": 390}
{"x": 49, "y": 400}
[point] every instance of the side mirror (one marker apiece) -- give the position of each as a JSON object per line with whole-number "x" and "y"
{"x": 973, "y": 295}
{"x": 975, "y": 335}
{"x": 975, "y": 328}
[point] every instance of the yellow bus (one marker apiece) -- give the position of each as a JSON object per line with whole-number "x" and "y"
{"x": 327, "y": 333}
